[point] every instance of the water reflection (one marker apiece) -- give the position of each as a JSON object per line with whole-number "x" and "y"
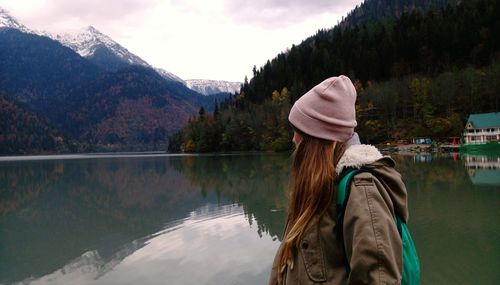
{"x": 425, "y": 157}
{"x": 52, "y": 212}
{"x": 179, "y": 254}
{"x": 483, "y": 169}
{"x": 214, "y": 219}
{"x": 451, "y": 221}
{"x": 258, "y": 182}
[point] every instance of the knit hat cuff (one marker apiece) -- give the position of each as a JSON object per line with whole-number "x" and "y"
{"x": 318, "y": 128}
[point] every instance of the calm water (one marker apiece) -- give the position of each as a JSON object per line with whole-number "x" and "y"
{"x": 216, "y": 219}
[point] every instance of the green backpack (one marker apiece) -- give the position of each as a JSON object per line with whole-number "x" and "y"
{"x": 411, "y": 265}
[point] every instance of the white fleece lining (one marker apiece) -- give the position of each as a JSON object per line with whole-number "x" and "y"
{"x": 357, "y": 156}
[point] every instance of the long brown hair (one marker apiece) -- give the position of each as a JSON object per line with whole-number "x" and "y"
{"x": 311, "y": 190}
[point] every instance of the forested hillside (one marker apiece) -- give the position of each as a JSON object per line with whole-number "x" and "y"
{"x": 418, "y": 72}
{"x": 130, "y": 109}
{"x": 24, "y": 132}
{"x": 374, "y": 10}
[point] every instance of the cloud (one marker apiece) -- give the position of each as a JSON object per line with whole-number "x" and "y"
{"x": 279, "y": 13}
{"x": 209, "y": 39}
{"x": 58, "y": 15}
{"x": 97, "y": 9}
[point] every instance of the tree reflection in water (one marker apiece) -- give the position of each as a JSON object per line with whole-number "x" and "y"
{"x": 54, "y": 211}
{"x": 147, "y": 219}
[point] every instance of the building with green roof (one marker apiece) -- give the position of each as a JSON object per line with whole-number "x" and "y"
{"x": 482, "y": 128}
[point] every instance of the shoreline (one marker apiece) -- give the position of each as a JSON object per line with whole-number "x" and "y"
{"x": 390, "y": 148}
{"x": 418, "y": 148}
{"x": 68, "y": 156}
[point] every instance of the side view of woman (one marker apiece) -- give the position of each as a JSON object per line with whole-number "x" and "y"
{"x": 369, "y": 251}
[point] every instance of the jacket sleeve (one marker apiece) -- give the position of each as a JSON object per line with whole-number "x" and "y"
{"x": 372, "y": 241}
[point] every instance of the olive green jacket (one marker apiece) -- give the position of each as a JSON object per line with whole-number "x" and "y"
{"x": 371, "y": 238}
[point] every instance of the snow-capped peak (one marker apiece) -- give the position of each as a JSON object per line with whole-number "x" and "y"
{"x": 8, "y": 21}
{"x": 169, "y": 75}
{"x": 86, "y": 41}
{"x": 209, "y": 87}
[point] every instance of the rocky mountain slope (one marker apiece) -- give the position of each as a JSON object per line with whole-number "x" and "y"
{"x": 210, "y": 87}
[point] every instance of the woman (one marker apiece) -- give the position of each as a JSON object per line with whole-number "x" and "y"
{"x": 369, "y": 250}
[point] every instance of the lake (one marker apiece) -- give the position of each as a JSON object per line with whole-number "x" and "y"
{"x": 216, "y": 219}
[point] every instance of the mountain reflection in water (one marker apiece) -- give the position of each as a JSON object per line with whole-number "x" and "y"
{"x": 212, "y": 219}
{"x": 180, "y": 254}
{"x": 58, "y": 214}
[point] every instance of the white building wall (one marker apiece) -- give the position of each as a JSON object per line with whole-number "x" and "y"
{"x": 480, "y": 135}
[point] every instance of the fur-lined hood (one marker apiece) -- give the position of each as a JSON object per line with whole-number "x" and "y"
{"x": 382, "y": 167}
{"x": 357, "y": 156}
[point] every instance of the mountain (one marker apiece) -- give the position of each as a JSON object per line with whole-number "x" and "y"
{"x": 419, "y": 68}
{"x": 168, "y": 75}
{"x": 105, "y": 52}
{"x": 374, "y": 10}
{"x": 133, "y": 107}
{"x": 210, "y": 87}
{"x": 90, "y": 43}
{"x": 85, "y": 92}
{"x": 24, "y": 132}
{"x": 87, "y": 41}
{"x": 7, "y": 21}
{"x": 110, "y": 55}
{"x": 41, "y": 72}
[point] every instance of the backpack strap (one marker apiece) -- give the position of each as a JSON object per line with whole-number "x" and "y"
{"x": 343, "y": 191}
{"x": 411, "y": 264}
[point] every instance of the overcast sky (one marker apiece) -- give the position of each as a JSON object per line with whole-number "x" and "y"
{"x": 194, "y": 39}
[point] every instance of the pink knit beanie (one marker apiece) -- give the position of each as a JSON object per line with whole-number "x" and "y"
{"x": 327, "y": 111}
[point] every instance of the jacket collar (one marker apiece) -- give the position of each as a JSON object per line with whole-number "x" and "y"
{"x": 357, "y": 156}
